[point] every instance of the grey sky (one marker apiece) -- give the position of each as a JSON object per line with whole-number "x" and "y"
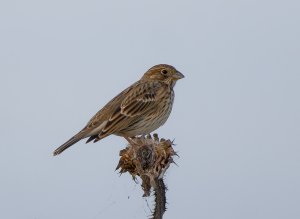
{"x": 235, "y": 120}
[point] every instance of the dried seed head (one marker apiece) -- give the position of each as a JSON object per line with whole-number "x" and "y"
{"x": 148, "y": 158}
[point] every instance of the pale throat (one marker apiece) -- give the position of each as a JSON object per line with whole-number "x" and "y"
{"x": 171, "y": 83}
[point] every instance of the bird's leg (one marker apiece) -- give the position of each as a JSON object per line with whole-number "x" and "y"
{"x": 143, "y": 136}
{"x": 130, "y": 141}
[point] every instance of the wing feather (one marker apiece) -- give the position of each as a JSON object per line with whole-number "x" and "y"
{"x": 139, "y": 100}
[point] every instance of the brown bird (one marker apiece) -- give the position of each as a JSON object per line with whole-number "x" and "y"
{"x": 138, "y": 110}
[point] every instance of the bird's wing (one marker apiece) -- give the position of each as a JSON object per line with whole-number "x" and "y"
{"x": 102, "y": 116}
{"x": 140, "y": 99}
{"x": 137, "y": 101}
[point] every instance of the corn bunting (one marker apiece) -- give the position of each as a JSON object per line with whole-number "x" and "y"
{"x": 138, "y": 110}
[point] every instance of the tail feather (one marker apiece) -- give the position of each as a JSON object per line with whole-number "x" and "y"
{"x": 67, "y": 144}
{"x": 91, "y": 138}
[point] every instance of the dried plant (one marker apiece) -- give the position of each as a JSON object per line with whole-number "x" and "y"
{"x": 149, "y": 158}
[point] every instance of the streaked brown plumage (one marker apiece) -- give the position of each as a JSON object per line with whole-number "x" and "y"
{"x": 138, "y": 110}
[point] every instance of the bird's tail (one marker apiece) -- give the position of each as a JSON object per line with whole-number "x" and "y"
{"x": 68, "y": 144}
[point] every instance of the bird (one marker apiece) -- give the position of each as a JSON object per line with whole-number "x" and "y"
{"x": 138, "y": 110}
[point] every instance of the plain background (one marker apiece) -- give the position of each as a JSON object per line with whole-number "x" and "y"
{"x": 235, "y": 120}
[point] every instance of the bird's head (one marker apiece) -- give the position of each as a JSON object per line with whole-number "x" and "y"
{"x": 164, "y": 73}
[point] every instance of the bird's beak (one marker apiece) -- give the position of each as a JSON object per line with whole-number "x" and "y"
{"x": 178, "y": 75}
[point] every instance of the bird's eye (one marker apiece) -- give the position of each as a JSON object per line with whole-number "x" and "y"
{"x": 164, "y": 71}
